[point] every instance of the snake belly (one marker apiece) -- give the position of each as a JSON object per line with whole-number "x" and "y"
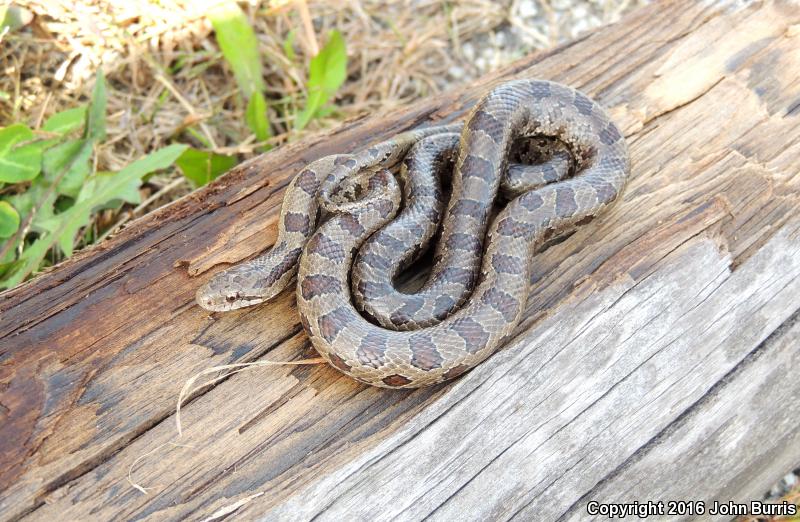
{"x": 406, "y": 359}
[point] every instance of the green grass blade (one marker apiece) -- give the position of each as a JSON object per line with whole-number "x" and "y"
{"x": 327, "y": 72}
{"x": 239, "y": 46}
{"x": 256, "y": 117}
{"x": 95, "y": 128}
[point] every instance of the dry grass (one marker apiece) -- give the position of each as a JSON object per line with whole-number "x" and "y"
{"x": 168, "y": 81}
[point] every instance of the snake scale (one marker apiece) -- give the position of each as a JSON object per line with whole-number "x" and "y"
{"x": 374, "y": 226}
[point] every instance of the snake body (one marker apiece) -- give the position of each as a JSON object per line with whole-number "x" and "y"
{"x": 392, "y": 248}
{"x": 264, "y": 277}
{"x": 478, "y": 289}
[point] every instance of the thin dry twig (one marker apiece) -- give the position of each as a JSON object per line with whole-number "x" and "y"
{"x": 239, "y": 367}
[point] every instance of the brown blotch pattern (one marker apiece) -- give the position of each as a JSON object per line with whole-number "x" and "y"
{"x": 610, "y": 135}
{"x": 307, "y": 181}
{"x": 332, "y": 323}
{"x": 347, "y": 161}
{"x": 457, "y": 274}
{"x": 373, "y": 288}
{"x": 487, "y": 123}
{"x": 389, "y": 242}
{"x": 469, "y": 207}
{"x": 531, "y": 201}
{"x": 540, "y": 89}
{"x": 467, "y": 242}
{"x": 502, "y": 302}
{"x": 295, "y": 222}
{"x": 472, "y": 332}
{"x": 351, "y": 224}
{"x": 287, "y": 263}
{"x": 605, "y": 191}
{"x": 396, "y": 380}
{"x": 405, "y": 313}
{"x": 375, "y": 260}
{"x": 338, "y": 363}
{"x": 566, "y": 205}
{"x": 583, "y": 104}
{"x": 384, "y": 208}
{"x": 506, "y": 264}
{"x": 319, "y": 284}
{"x": 477, "y": 167}
{"x": 425, "y": 355}
{"x": 371, "y": 351}
{"x": 442, "y": 306}
{"x": 322, "y": 245}
{"x": 512, "y": 228}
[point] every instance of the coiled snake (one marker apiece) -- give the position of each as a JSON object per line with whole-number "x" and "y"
{"x": 479, "y": 282}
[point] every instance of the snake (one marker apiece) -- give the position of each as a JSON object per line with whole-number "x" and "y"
{"x": 479, "y": 284}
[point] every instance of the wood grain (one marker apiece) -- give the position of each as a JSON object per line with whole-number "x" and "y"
{"x": 657, "y": 358}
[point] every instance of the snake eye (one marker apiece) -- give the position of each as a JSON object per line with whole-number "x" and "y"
{"x": 231, "y": 297}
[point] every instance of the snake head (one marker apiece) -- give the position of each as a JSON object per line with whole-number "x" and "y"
{"x": 225, "y": 292}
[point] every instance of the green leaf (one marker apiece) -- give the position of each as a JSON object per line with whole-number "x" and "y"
{"x": 65, "y": 121}
{"x": 19, "y": 162}
{"x": 201, "y": 166}
{"x": 256, "y": 117}
{"x": 9, "y": 220}
{"x": 68, "y": 164}
{"x": 327, "y": 72}
{"x": 96, "y": 114}
{"x": 239, "y": 46}
{"x": 69, "y": 161}
{"x": 125, "y": 193}
{"x": 13, "y": 134}
{"x": 95, "y": 193}
{"x": 14, "y": 17}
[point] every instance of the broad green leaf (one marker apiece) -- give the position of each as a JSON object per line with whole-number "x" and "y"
{"x": 9, "y": 220}
{"x": 239, "y": 46}
{"x": 256, "y": 117}
{"x": 69, "y": 161}
{"x": 12, "y": 135}
{"x": 65, "y": 121}
{"x": 94, "y": 194}
{"x": 327, "y": 72}
{"x": 19, "y": 162}
{"x": 128, "y": 193}
{"x": 201, "y": 166}
{"x": 35, "y": 196}
{"x": 96, "y": 114}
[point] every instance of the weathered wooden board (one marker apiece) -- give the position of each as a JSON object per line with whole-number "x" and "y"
{"x": 657, "y": 359}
